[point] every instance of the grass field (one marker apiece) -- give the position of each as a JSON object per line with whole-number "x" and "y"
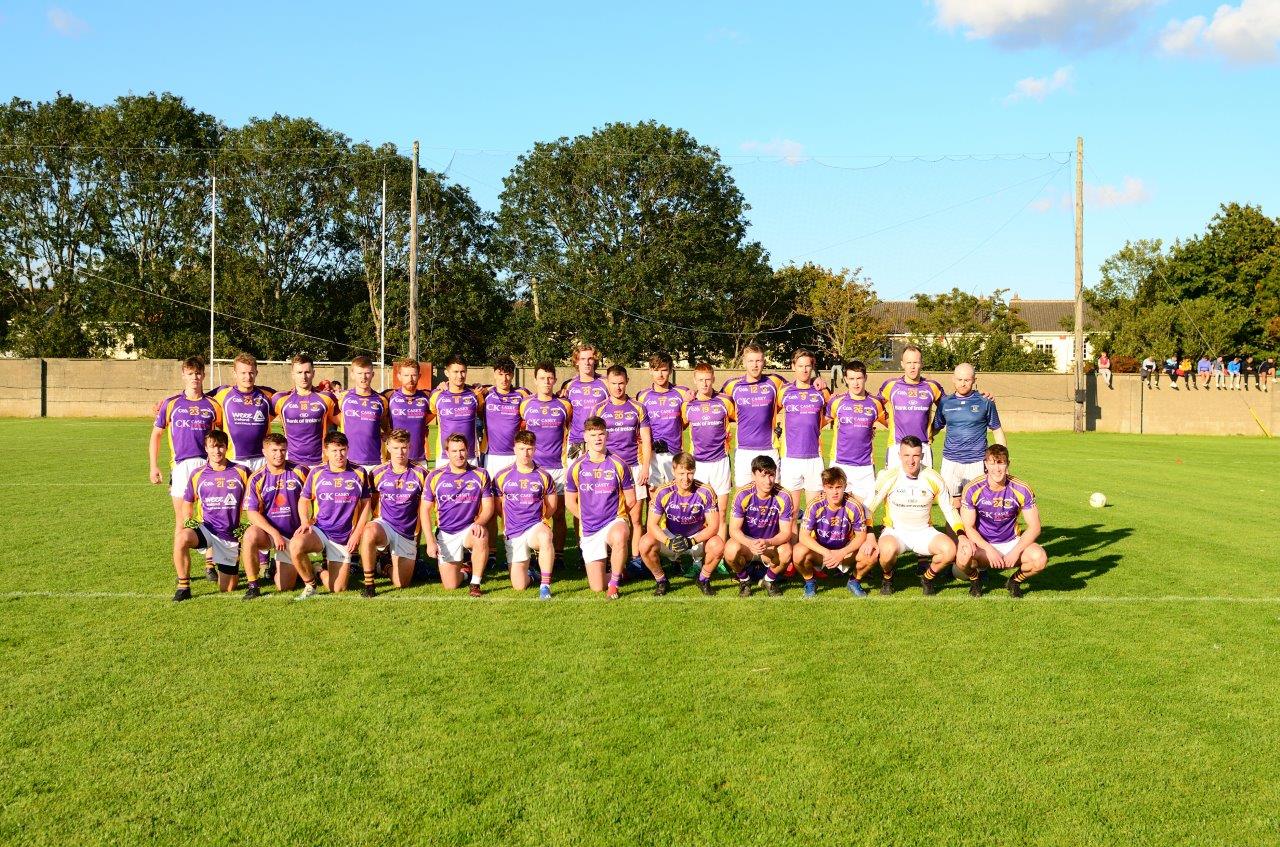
{"x": 1131, "y": 698}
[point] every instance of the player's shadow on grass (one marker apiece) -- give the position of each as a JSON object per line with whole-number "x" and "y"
{"x": 1076, "y": 555}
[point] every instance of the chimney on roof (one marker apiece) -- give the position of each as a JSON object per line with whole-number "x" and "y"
{"x": 1014, "y": 297}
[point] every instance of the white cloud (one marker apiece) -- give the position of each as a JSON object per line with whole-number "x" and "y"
{"x": 1078, "y": 24}
{"x": 1131, "y": 192}
{"x": 1039, "y": 87}
{"x": 792, "y": 152}
{"x": 1244, "y": 35}
{"x": 726, "y": 34}
{"x": 66, "y": 23}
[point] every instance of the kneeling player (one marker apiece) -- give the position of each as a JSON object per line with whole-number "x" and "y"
{"x": 339, "y": 492}
{"x": 275, "y": 491}
{"x": 989, "y": 508}
{"x": 463, "y": 498}
{"x": 834, "y": 534}
{"x": 600, "y": 493}
{"x": 395, "y": 500}
{"x": 215, "y": 493}
{"x": 760, "y": 528}
{"x": 525, "y": 496}
{"x": 684, "y": 517}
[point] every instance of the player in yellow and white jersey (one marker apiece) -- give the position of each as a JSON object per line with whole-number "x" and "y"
{"x": 909, "y": 493}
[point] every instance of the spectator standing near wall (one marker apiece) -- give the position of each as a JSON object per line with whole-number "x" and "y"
{"x": 1104, "y": 367}
{"x": 1149, "y": 373}
{"x": 1233, "y": 371}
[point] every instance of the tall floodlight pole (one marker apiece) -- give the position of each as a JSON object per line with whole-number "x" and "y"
{"x": 413, "y": 257}
{"x": 1079, "y": 417}
{"x": 213, "y": 261}
{"x": 382, "y": 307}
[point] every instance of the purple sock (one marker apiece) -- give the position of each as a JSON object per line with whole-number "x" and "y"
{"x": 546, "y": 578}
{"x": 743, "y": 576}
{"x": 613, "y": 581}
{"x": 770, "y": 574}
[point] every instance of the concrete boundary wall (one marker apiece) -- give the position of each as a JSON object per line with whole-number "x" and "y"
{"x": 1027, "y": 402}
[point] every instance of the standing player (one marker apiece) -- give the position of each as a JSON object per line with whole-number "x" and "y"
{"x": 525, "y": 497}
{"x": 456, "y": 408}
{"x": 967, "y": 416}
{"x": 246, "y": 411}
{"x": 804, "y": 414}
{"x": 305, "y": 414}
{"x": 909, "y": 405}
{"x": 663, "y": 401}
{"x": 853, "y": 415}
{"x": 599, "y": 493}
{"x": 272, "y": 505}
{"x": 501, "y": 412}
{"x": 755, "y": 399}
{"x": 631, "y": 440}
{"x": 989, "y": 508}
{"x": 761, "y": 528}
{"x": 399, "y": 511}
{"x": 463, "y": 498}
{"x": 909, "y": 491}
{"x": 683, "y": 518}
{"x": 410, "y": 408}
{"x": 834, "y": 535}
{"x": 708, "y": 415}
{"x": 584, "y": 391}
{"x": 216, "y": 492}
{"x": 363, "y": 416}
{"x": 339, "y": 493}
{"x": 548, "y": 418}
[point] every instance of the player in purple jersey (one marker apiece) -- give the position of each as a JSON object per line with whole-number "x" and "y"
{"x": 854, "y": 414}
{"x": 631, "y": 440}
{"x": 363, "y": 416}
{"x": 755, "y": 398}
{"x": 524, "y": 495}
{"x": 463, "y": 498}
{"x": 600, "y": 494}
{"x": 215, "y": 493}
{"x": 305, "y": 414}
{"x": 760, "y": 528}
{"x": 834, "y": 534}
{"x": 804, "y": 414}
{"x": 910, "y": 402}
{"x": 399, "y": 512}
{"x": 683, "y": 518}
{"x": 662, "y": 401}
{"x": 585, "y": 391}
{"x": 272, "y": 506}
{"x": 548, "y": 418}
{"x": 989, "y": 508}
{"x": 456, "y": 407}
{"x": 339, "y": 493}
{"x": 246, "y": 412}
{"x": 708, "y": 415}
{"x": 501, "y": 414}
{"x": 410, "y": 408}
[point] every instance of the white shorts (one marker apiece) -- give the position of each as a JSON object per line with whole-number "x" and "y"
{"x": 892, "y": 459}
{"x": 225, "y": 552}
{"x": 333, "y": 551}
{"x": 716, "y": 474}
{"x": 494, "y": 463}
{"x": 520, "y": 548}
{"x": 860, "y": 480}
{"x": 660, "y": 470}
{"x": 959, "y": 474}
{"x": 595, "y": 547}
{"x": 453, "y": 548}
{"x": 180, "y": 474}
{"x": 1003, "y": 547}
{"x": 742, "y": 464}
{"x": 642, "y": 491}
{"x": 402, "y": 546}
{"x": 557, "y": 477}
{"x": 916, "y": 540}
{"x": 282, "y": 556}
{"x": 697, "y": 551}
{"x": 801, "y": 474}
{"x": 254, "y": 465}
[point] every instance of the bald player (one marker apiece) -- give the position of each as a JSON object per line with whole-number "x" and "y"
{"x": 967, "y": 416}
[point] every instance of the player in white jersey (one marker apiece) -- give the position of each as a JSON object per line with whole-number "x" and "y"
{"x": 909, "y": 492}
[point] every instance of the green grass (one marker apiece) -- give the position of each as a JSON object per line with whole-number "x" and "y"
{"x": 1129, "y": 699}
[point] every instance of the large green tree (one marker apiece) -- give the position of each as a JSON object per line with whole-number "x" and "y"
{"x": 983, "y": 330}
{"x": 843, "y": 309}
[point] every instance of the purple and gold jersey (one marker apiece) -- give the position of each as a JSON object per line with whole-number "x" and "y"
{"x": 458, "y": 496}
{"x": 502, "y": 420}
{"x": 601, "y": 488}
{"x": 412, "y": 413}
{"x": 708, "y": 422}
{"x": 684, "y": 514}
{"x": 306, "y": 421}
{"x": 834, "y": 528}
{"x": 998, "y": 510}
{"x": 548, "y": 420}
{"x": 337, "y": 495}
{"x": 855, "y": 422}
{"x": 624, "y": 421}
{"x": 803, "y": 414}
{"x": 246, "y": 419}
{"x": 583, "y": 398}
{"x": 187, "y": 422}
{"x": 455, "y": 412}
{"x": 523, "y": 497}
{"x": 664, "y": 413}
{"x": 756, "y": 404}
{"x": 275, "y": 496}
{"x": 364, "y": 419}
{"x": 762, "y": 516}
{"x": 909, "y": 407}
{"x": 398, "y": 496}
{"x": 218, "y": 497}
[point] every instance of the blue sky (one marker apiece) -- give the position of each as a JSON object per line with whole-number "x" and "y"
{"x": 1176, "y": 101}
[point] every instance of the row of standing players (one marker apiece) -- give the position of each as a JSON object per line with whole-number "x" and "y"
{"x": 313, "y": 491}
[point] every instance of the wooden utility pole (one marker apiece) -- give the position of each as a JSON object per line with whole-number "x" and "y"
{"x": 1079, "y": 418}
{"x": 382, "y": 301}
{"x": 533, "y": 286}
{"x": 413, "y": 257}
{"x": 213, "y": 262}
